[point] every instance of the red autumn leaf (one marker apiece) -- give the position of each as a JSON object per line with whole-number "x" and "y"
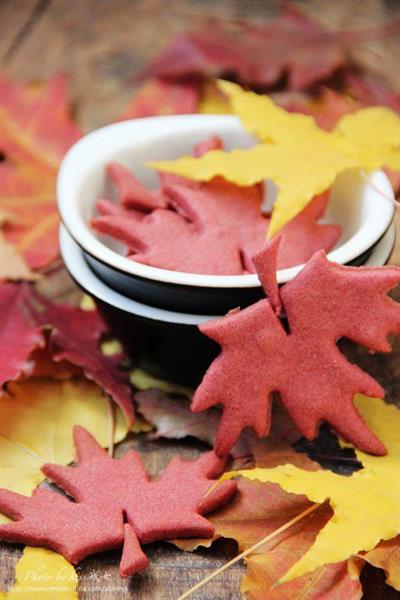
{"x": 75, "y": 336}
{"x": 329, "y": 106}
{"x": 162, "y": 97}
{"x": 257, "y": 54}
{"x": 204, "y": 228}
{"x": 27, "y": 111}
{"x": 28, "y": 196}
{"x": 322, "y": 304}
{"x": 115, "y": 504}
{"x": 32, "y": 152}
{"x": 258, "y": 510}
{"x": 19, "y": 333}
{"x": 43, "y": 365}
{"x": 370, "y": 91}
{"x": 326, "y": 109}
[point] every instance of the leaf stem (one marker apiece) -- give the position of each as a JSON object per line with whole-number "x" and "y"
{"x": 378, "y": 190}
{"x": 260, "y": 543}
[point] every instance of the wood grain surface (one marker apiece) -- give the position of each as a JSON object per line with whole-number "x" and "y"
{"x": 102, "y": 44}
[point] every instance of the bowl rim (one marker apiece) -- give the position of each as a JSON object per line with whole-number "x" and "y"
{"x": 114, "y": 137}
{"x": 80, "y": 271}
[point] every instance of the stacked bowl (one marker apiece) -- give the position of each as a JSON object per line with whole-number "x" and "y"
{"x": 155, "y": 312}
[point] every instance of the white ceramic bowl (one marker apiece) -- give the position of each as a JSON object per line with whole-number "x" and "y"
{"x": 363, "y": 213}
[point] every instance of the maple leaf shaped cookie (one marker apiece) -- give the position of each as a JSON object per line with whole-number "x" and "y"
{"x": 315, "y": 381}
{"x": 205, "y": 233}
{"x": 210, "y": 228}
{"x": 115, "y": 504}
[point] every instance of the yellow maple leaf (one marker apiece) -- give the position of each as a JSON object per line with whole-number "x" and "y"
{"x": 299, "y": 157}
{"x": 144, "y": 381}
{"x": 213, "y": 101}
{"x": 41, "y": 571}
{"x": 366, "y": 505}
{"x": 36, "y": 421}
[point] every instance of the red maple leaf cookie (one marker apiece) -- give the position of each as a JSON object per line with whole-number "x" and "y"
{"x": 208, "y": 228}
{"x": 115, "y": 504}
{"x": 315, "y": 381}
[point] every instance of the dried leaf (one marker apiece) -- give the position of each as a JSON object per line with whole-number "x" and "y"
{"x": 358, "y": 501}
{"x": 291, "y": 44}
{"x": 26, "y": 112}
{"x": 32, "y": 152}
{"x": 370, "y": 91}
{"x": 43, "y": 365}
{"x": 40, "y": 571}
{"x": 58, "y": 286}
{"x": 300, "y": 158}
{"x": 386, "y": 556}
{"x": 19, "y": 332}
{"x": 277, "y": 448}
{"x": 160, "y": 97}
{"x": 12, "y": 265}
{"x": 173, "y": 418}
{"x": 75, "y": 337}
{"x": 264, "y": 568}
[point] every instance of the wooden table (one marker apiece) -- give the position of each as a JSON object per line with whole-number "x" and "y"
{"x": 102, "y": 44}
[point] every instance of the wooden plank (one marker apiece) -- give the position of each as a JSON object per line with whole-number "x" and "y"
{"x": 103, "y": 44}
{"x": 17, "y": 19}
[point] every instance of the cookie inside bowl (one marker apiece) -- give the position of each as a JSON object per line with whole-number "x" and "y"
{"x": 355, "y": 205}
{"x": 213, "y": 227}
